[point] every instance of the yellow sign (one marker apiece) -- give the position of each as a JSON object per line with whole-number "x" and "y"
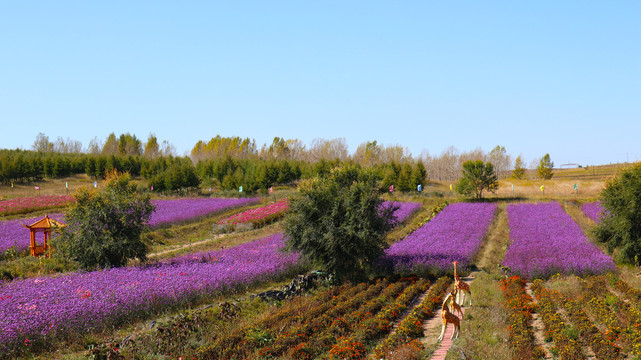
{"x": 542, "y": 187}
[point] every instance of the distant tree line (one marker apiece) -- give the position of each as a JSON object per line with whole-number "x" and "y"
{"x": 230, "y": 162}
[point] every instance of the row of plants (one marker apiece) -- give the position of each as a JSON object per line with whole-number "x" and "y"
{"x": 593, "y": 210}
{"x": 564, "y": 336}
{"x": 411, "y": 327}
{"x": 547, "y": 241}
{"x": 589, "y": 334}
{"x": 455, "y": 234}
{"x": 625, "y": 289}
{"x": 621, "y": 320}
{"x": 25, "y": 205}
{"x": 520, "y": 307}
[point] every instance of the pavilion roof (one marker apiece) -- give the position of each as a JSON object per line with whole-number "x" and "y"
{"x": 45, "y": 223}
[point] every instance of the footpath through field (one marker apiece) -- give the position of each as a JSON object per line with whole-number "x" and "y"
{"x": 432, "y": 328}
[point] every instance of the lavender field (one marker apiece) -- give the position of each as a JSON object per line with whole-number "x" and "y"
{"x": 546, "y": 241}
{"x": 593, "y": 210}
{"x": 38, "y": 309}
{"x": 455, "y": 234}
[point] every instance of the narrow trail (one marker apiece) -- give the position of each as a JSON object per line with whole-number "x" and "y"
{"x": 432, "y": 328}
{"x": 185, "y": 246}
{"x": 538, "y": 326}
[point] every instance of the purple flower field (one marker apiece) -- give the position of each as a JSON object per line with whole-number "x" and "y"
{"x": 546, "y": 241}
{"x": 404, "y": 211}
{"x": 455, "y": 234}
{"x": 170, "y": 211}
{"x": 39, "y": 308}
{"x": 13, "y": 233}
{"x": 593, "y": 210}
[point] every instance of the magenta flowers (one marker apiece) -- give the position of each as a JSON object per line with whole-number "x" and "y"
{"x": 39, "y": 308}
{"x": 28, "y": 204}
{"x": 546, "y": 241}
{"x": 594, "y": 210}
{"x": 455, "y": 234}
{"x": 170, "y": 211}
{"x": 258, "y": 216}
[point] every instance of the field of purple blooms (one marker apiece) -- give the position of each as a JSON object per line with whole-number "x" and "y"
{"x": 455, "y": 234}
{"x": 45, "y": 308}
{"x": 546, "y": 241}
{"x": 593, "y": 210}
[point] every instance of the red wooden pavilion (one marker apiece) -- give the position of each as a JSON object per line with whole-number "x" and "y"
{"x": 44, "y": 225}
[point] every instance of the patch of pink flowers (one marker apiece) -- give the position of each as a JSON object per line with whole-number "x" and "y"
{"x": 260, "y": 215}
{"x": 28, "y": 204}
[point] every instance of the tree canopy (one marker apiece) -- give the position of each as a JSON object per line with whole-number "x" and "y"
{"x": 544, "y": 170}
{"x": 338, "y": 222}
{"x": 477, "y": 177}
{"x": 105, "y": 227}
{"x": 620, "y": 228}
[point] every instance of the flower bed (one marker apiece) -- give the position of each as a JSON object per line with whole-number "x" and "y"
{"x": 256, "y": 217}
{"x": 455, "y": 234}
{"x": 13, "y": 233}
{"x": 593, "y": 210}
{"x": 520, "y": 307}
{"x": 172, "y": 211}
{"x": 34, "y": 203}
{"x": 546, "y": 241}
{"x": 40, "y": 309}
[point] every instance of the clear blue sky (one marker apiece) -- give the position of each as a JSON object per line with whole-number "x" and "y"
{"x": 558, "y": 77}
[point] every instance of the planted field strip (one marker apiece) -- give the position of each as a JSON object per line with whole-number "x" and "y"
{"x": 546, "y": 241}
{"x": 258, "y": 216}
{"x": 520, "y": 307}
{"x": 455, "y": 234}
{"x": 42, "y": 309}
{"x": 593, "y": 210}
{"x": 404, "y": 211}
{"x": 24, "y": 205}
{"x": 13, "y": 233}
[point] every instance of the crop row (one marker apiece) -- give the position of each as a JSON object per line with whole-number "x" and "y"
{"x": 411, "y": 327}
{"x": 27, "y": 204}
{"x": 256, "y": 217}
{"x": 621, "y": 320}
{"x": 38, "y": 309}
{"x": 556, "y": 329}
{"x": 520, "y": 307}
{"x": 546, "y": 241}
{"x": 455, "y": 234}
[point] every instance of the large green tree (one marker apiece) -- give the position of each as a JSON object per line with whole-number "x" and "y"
{"x": 338, "y": 222}
{"x": 105, "y": 227}
{"x": 620, "y": 228}
{"x": 544, "y": 170}
{"x": 477, "y": 177}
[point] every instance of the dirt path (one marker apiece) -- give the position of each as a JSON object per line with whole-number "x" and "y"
{"x": 432, "y": 329}
{"x": 185, "y": 246}
{"x": 538, "y": 326}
